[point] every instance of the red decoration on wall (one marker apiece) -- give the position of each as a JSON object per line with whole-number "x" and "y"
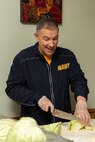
{"x": 32, "y": 10}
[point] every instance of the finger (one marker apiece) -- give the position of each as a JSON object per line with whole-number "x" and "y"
{"x": 84, "y": 119}
{"x": 46, "y": 107}
{"x": 51, "y": 108}
{"x": 88, "y": 118}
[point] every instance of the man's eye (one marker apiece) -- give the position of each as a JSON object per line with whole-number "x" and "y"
{"x": 46, "y": 38}
{"x": 56, "y": 38}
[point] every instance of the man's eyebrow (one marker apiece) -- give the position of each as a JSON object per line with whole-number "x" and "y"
{"x": 56, "y": 36}
{"x": 46, "y": 37}
{"x": 49, "y": 37}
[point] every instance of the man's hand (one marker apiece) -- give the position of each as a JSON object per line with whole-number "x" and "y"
{"x": 82, "y": 111}
{"x": 44, "y": 103}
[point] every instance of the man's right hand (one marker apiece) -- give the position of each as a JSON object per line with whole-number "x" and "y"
{"x": 44, "y": 103}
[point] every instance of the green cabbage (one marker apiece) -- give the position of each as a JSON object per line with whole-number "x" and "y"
{"x": 74, "y": 125}
{"x": 26, "y": 130}
{"x": 28, "y": 120}
{"x": 54, "y": 127}
{"x": 90, "y": 127}
{"x": 5, "y": 126}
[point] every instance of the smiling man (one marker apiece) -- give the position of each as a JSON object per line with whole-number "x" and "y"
{"x": 47, "y": 38}
{"x": 40, "y": 77}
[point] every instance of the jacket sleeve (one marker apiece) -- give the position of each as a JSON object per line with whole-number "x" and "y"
{"x": 17, "y": 88}
{"x": 77, "y": 79}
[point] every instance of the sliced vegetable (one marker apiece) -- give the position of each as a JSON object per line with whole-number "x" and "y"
{"x": 54, "y": 127}
{"x": 90, "y": 127}
{"x": 74, "y": 125}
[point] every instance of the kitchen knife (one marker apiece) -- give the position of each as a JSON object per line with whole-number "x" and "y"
{"x": 64, "y": 115}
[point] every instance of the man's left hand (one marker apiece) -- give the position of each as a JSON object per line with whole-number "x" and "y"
{"x": 82, "y": 111}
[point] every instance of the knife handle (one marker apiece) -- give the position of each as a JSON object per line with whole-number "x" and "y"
{"x": 49, "y": 109}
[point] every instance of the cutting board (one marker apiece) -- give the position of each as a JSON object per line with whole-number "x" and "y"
{"x": 80, "y": 135}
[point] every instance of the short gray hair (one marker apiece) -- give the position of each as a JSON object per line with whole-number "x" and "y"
{"x": 46, "y": 22}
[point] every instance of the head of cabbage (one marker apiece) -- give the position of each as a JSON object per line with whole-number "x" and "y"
{"x": 26, "y": 130}
{"x": 5, "y": 126}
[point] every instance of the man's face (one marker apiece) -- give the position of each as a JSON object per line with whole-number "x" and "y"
{"x": 48, "y": 40}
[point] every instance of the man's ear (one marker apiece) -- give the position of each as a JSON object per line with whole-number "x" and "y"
{"x": 36, "y": 36}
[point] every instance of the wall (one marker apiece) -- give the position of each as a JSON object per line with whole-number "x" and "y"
{"x": 77, "y": 33}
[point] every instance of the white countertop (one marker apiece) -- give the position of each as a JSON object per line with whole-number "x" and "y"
{"x": 80, "y": 135}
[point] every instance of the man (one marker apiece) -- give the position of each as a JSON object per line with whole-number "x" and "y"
{"x": 40, "y": 77}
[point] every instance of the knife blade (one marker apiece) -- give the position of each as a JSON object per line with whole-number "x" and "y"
{"x": 64, "y": 115}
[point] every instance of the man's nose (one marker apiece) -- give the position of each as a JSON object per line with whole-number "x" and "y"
{"x": 51, "y": 44}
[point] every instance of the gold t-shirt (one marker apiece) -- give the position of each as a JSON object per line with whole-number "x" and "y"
{"x": 48, "y": 59}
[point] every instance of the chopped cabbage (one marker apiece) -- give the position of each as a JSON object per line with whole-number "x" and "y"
{"x": 5, "y": 126}
{"x": 54, "y": 127}
{"x": 89, "y": 127}
{"x": 74, "y": 125}
{"x": 26, "y": 130}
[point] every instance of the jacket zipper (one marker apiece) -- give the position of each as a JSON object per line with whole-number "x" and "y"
{"x": 51, "y": 88}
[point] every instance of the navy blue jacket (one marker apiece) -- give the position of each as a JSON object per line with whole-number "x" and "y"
{"x": 31, "y": 77}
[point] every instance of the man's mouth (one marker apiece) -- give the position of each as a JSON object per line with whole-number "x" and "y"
{"x": 50, "y": 49}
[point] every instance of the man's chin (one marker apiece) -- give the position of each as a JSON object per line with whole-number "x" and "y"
{"x": 49, "y": 55}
